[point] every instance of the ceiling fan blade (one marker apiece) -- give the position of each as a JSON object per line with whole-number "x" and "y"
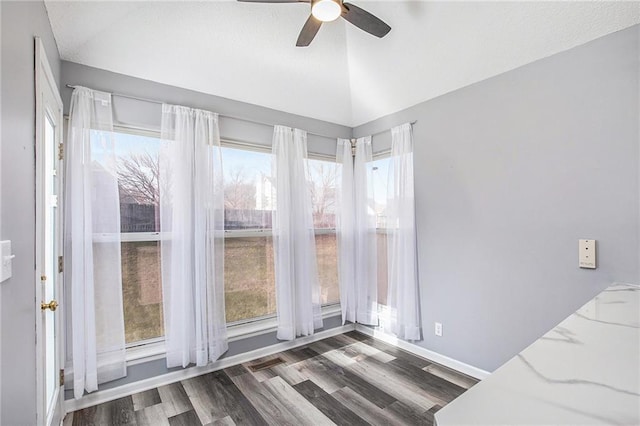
{"x": 308, "y": 32}
{"x": 364, "y": 20}
{"x": 275, "y": 1}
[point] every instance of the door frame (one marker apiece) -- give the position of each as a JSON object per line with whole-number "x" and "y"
{"x": 44, "y": 80}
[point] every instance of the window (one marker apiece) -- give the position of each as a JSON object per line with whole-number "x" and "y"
{"x": 137, "y": 167}
{"x": 379, "y": 174}
{"x": 249, "y": 276}
{"x": 323, "y": 175}
{"x": 248, "y": 257}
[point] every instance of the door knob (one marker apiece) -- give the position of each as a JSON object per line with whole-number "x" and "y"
{"x": 53, "y": 305}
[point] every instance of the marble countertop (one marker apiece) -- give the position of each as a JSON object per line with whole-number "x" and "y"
{"x": 584, "y": 371}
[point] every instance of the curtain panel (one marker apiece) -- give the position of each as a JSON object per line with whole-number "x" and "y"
{"x": 345, "y": 231}
{"x": 356, "y": 229}
{"x": 403, "y": 296}
{"x": 192, "y": 228}
{"x": 93, "y": 275}
{"x": 297, "y": 287}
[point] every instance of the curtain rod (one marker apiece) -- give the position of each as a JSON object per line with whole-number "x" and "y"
{"x": 353, "y": 140}
{"x": 233, "y": 117}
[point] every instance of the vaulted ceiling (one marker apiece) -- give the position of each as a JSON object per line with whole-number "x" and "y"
{"x": 246, "y": 51}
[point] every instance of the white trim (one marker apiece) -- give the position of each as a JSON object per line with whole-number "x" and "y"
{"x": 130, "y": 237}
{"x": 454, "y": 364}
{"x": 331, "y": 310}
{"x": 267, "y": 149}
{"x": 248, "y": 233}
{"x": 381, "y": 154}
{"x": 246, "y": 329}
{"x": 324, "y": 231}
{"x": 245, "y": 145}
{"x": 142, "y": 237}
{"x": 224, "y": 142}
{"x": 145, "y": 352}
{"x": 136, "y": 131}
{"x": 127, "y": 237}
{"x": 328, "y": 158}
{"x": 267, "y": 232}
{"x": 107, "y": 395}
{"x": 48, "y": 103}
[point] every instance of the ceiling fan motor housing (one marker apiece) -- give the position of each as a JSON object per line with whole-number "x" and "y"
{"x": 326, "y": 10}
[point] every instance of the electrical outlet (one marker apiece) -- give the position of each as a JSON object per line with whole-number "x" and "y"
{"x": 438, "y": 329}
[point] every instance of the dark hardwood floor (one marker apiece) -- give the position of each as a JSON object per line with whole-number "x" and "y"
{"x": 350, "y": 379}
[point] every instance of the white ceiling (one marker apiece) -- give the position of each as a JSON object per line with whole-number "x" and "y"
{"x": 246, "y": 51}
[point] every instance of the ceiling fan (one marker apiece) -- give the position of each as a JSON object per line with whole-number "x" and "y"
{"x": 330, "y": 10}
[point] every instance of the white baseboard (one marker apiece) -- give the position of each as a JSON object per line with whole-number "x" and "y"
{"x": 424, "y": 353}
{"x": 107, "y": 395}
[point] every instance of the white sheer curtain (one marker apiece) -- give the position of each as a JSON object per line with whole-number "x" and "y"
{"x": 192, "y": 247}
{"x": 403, "y": 298}
{"x": 345, "y": 231}
{"x": 93, "y": 274}
{"x": 297, "y": 287}
{"x": 357, "y": 266}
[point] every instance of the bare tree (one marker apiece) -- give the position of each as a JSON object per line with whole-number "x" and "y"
{"x": 323, "y": 193}
{"x": 138, "y": 178}
{"x": 239, "y": 195}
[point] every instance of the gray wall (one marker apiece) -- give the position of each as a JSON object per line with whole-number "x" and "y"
{"x": 510, "y": 173}
{"x": 147, "y": 115}
{"x": 21, "y": 21}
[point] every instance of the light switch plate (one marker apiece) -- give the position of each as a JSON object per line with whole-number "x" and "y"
{"x": 6, "y": 258}
{"x": 587, "y": 254}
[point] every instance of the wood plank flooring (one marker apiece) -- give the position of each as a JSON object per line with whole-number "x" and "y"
{"x": 350, "y": 379}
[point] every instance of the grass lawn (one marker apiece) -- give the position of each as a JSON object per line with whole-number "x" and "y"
{"x": 249, "y": 281}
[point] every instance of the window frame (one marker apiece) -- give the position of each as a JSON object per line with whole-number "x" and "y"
{"x": 151, "y": 349}
{"x": 141, "y": 349}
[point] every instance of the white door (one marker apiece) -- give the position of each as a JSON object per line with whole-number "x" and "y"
{"x": 48, "y": 243}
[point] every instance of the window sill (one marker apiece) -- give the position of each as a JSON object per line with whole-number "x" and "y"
{"x": 156, "y": 350}
{"x": 268, "y": 325}
{"x": 145, "y": 353}
{"x": 251, "y": 329}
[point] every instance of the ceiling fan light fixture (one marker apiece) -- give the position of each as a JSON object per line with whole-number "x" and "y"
{"x": 326, "y": 10}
